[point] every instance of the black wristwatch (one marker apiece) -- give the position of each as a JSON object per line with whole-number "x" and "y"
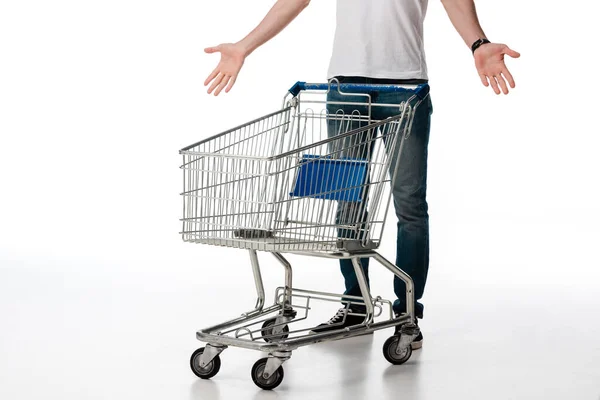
{"x": 478, "y": 43}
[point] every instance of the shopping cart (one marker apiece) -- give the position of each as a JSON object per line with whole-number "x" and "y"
{"x": 308, "y": 179}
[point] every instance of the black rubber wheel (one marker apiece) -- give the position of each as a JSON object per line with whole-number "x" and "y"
{"x": 392, "y": 355}
{"x": 207, "y": 372}
{"x": 266, "y": 384}
{"x": 267, "y": 330}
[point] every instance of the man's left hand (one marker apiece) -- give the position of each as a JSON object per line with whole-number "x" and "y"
{"x": 489, "y": 60}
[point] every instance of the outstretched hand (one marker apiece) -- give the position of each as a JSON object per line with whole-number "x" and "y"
{"x": 489, "y": 60}
{"x": 226, "y": 72}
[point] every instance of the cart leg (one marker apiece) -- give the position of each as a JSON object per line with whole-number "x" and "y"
{"x": 410, "y": 296}
{"x": 364, "y": 289}
{"x": 287, "y": 313}
{"x": 408, "y": 333}
{"x": 275, "y": 361}
{"x": 210, "y": 352}
{"x": 287, "y": 301}
{"x": 260, "y": 289}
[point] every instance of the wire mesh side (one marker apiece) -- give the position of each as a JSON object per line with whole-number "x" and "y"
{"x": 309, "y": 181}
{"x": 338, "y": 188}
{"x": 226, "y": 180}
{"x": 263, "y": 137}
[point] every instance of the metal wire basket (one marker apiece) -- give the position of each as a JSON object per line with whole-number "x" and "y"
{"x": 299, "y": 179}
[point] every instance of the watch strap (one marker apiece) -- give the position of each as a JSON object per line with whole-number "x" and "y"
{"x": 478, "y": 43}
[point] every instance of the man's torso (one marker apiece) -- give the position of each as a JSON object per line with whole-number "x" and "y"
{"x": 379, "y": 39}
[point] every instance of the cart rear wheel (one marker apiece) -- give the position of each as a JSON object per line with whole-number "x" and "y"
{"x": 266, "y": 383}
{"x": 392, "y": 354}
{"x": 209, "y": 370}
{"x": 267, "y": 330}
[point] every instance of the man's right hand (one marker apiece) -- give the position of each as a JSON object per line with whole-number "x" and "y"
{"x": 224, "y": 76}
{"x": 233, "y": 55}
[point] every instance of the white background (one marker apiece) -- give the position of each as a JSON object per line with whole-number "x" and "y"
{"x": 100, "y": 299}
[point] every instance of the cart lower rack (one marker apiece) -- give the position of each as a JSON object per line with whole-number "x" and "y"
{"x": 309, "y": 179}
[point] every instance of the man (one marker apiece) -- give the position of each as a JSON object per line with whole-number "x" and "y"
{"x": 381, "y": 41}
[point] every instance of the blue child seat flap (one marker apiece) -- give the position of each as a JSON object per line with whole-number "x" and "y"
{"x": 340, "y": 179}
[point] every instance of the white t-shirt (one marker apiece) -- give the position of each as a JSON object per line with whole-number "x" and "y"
{"x": 379, "y": 39}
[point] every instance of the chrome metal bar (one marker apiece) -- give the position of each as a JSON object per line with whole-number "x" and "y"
{"x": 377, "y": 304}
{"x": 243, "y": 318}
{"x": 258, "y": 281}
{"x": 335, "y": 138}
{"x": 296, "y": 342}
{"x": 410, "y": 296}
{"x": 235, "y": 129}
{"x": 288, "y": 279}
{"x": 317, "y": 293}
{"x": 334, "y": 298}
{"x": 350, "y": 103}
{"x": 364, "y": 289}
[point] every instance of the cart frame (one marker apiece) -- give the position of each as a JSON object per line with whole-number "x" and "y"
{"x": 279, "y": 341}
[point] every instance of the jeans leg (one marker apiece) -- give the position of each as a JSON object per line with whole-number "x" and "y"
{"x": 409, "y": 191}
{"x": 409, "y": 194}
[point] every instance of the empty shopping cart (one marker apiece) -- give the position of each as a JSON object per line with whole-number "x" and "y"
{"x": 309, "y": 179}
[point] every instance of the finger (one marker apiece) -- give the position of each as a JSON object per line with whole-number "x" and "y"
{"x": 223, "y": 83}
{"x": 216, "y": 82}
{"x": 506, "y": 73}
{"x": 231, "y": 83}
{"x": 494, "y": 84}
{"x": 211, "y": 50}
{"x": 484, "y": 80}
{"x": 211, "y": 76}
{"x": 511, "y": 52}
{"x": 502, "y": 83}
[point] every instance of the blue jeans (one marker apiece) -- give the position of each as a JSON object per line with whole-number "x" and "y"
{"x": 408, "y": 191}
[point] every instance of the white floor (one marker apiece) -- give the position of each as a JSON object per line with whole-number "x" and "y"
{"x": 124, "y": 333}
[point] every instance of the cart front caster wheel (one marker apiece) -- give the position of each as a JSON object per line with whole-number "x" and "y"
{"x": 267, "y": 330}
{"x": 266, "y": 383}
{"x": 209, "y": 370}
{"x": 392, "y": 354}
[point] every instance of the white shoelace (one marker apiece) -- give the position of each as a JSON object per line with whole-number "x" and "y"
{"x": 338, "y": 315}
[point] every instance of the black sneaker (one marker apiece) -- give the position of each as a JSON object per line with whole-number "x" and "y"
{"x": 417, "y": 342}
{"x": 340, "y": 320}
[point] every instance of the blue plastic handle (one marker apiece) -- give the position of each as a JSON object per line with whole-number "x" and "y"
{"x": 420, "y": 90}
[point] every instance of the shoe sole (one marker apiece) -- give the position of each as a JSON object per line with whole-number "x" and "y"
{"x": 360, "y": 334}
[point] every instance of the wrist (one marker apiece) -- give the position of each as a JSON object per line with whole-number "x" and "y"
{"x": 478, "y": 43}
{"x": 244, "y": 47}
